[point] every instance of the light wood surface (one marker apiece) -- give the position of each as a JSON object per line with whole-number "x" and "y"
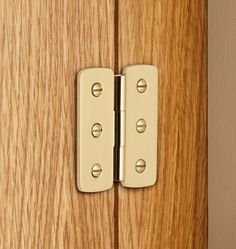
{"x": 43, "y": 45}
{"x": 172, "y": 36}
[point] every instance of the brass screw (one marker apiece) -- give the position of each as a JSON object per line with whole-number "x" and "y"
{"x": 140, "y": 166}
{"x": 141, "y": 125}
{"x": 141, "y": 86}
{"x": 96, "y": 89}
{"x": 96, "y": 130}
{"x": 96, "y": 170}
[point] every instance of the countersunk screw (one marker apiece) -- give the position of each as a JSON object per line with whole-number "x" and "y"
{"x": 96, "y": 89}
{"x": 96, "y": 130}
{"x": 140, "y": 166}
{"x": 141, "y": 86}
{"x": 141, "y": 125}
{"x": 96, "y": 170}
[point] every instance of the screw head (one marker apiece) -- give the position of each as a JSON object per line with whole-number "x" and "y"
{"x": 96, "y": 170}
{"x": 96, "y": 130}
{"x": 141, "y": 125}
{"x": 140, "y": 166}
{"x": 141, "y": 86}
{"x": 96, "y": 89}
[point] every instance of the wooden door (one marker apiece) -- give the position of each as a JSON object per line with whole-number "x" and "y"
{"x": 43, "y": 45}
{"x": 172, "y": 36}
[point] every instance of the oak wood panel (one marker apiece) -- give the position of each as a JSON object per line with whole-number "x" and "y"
{"x": 171, "y": 35}
{"x": 43, "y": 45}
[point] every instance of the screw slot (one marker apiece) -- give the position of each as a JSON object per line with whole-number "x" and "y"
{"x": 96, "y": 170}
{"x": 142, "y": 86}
{"x": 96, "y": 89}
{"x": 141, "y": 126}
{"x": 140, "y": 166}
{"x": 96, "y": 130}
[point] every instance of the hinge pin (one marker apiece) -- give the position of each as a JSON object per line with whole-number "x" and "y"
{"x": 119, "y": 149}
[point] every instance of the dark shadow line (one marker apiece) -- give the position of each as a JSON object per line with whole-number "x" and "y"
{"x": 116, "y": 69}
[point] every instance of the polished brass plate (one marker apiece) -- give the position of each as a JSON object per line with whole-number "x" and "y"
{"x": 95, "y": 129}
{"x": 140, "y": 159}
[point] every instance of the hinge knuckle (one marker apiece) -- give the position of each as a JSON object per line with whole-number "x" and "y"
{"x": 119, "y": 154}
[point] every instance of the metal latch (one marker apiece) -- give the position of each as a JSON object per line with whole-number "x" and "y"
{"x": 116, "y": 127}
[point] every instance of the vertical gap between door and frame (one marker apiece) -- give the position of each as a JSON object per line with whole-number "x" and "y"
{"x": 116, "y": 68}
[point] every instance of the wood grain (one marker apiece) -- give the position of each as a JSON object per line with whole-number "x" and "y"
{"x": 171, "y": 35}
{"x": 43, "y": 45}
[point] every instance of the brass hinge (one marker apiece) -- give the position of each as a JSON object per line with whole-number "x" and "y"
{"x": 116, "y": 127}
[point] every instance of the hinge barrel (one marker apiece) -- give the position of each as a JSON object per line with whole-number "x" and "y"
{"x": 120, "y": 112}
